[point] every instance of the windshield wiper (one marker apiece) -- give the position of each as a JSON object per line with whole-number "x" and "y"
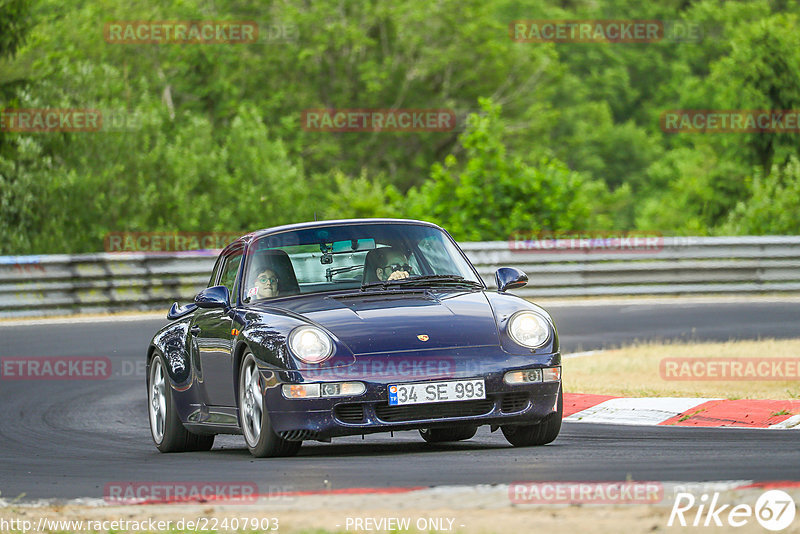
{"x": 433, "y": 279}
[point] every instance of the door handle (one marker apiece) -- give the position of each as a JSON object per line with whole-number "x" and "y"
{"x": 194, "y": 330}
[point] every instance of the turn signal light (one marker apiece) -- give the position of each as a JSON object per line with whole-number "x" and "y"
{"x": 527, "y": 376}
{"x": 327, "y": 389}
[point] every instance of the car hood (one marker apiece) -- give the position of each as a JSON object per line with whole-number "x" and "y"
{"x": 390, "y": 321}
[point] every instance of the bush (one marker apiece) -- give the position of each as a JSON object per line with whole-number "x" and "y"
{"x": 774, "y": 205}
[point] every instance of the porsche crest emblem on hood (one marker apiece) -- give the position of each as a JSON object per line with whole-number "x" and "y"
{"x": 423, "y": 337}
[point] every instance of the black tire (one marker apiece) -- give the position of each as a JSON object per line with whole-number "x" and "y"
{"x": 173, "y": 436}
{"x": 541, "y": 433}
{"x": 266, "y": 443}
{"x": 439, "y": 435}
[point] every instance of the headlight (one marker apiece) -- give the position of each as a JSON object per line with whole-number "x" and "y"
{"x": 310, "y": 344}
{"x": 529, "y": 329}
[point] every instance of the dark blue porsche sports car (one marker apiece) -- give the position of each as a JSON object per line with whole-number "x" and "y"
{"x": 335, "y": 328}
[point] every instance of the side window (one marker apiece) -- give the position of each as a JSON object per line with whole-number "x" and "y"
{"x": 215, "y": 272}
{"x": 229, "y": 271}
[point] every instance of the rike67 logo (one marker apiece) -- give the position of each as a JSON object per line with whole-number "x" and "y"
{"x": 774, "y": 510}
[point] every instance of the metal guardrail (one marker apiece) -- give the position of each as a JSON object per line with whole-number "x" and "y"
{"x": 87, "y": 283}
{"x": 96, "y": 283}
{"x": 674, "y": 266}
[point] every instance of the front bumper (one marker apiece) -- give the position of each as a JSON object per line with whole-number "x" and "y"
{"x": 323, "y": 418}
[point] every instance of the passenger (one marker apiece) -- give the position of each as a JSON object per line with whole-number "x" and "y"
{"x": 265, "y": 285}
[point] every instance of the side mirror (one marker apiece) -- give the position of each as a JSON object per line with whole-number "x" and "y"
{"x": 213, "y": 297}
{"x": 176, "y": 312}
{"x": 509, "y": 278}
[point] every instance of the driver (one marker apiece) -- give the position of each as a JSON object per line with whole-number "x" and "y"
{"x": 393, "y": 266}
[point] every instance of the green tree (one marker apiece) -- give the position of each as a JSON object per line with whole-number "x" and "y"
{"x": 492, "y": 195}
{"x": 574, "y": 142}
{"x": 15, "y": 23}
{"x": 762, "y": 72}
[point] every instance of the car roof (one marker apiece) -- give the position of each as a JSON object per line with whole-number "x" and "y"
{"x": 247, "y": 238}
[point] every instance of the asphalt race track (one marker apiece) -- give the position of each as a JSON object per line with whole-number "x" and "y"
{"x": 67, "y": 439}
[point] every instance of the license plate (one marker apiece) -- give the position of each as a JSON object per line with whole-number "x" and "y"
{"x": 422, "y": 393}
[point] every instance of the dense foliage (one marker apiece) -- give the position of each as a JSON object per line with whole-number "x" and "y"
{"x": 549, "y": 136}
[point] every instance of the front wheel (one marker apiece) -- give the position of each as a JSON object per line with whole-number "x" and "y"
{"x": 253, "y": 417}
{"x": 541, "y": 433}
{"x": 168, "y": 432}
{"x": 439, "y": 435}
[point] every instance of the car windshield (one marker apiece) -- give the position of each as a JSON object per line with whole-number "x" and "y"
{"x": 349, "y": 256}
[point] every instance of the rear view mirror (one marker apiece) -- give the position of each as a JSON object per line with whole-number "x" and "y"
{"x": 353, "y": 245}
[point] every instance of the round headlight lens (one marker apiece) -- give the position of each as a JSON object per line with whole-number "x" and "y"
{"x": 529, "y": 329}
{"x": 310, "y": 344}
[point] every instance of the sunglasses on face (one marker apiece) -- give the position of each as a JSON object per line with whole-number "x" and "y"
{"x": 271, "y": 279}
{"x": 397, "y": 267}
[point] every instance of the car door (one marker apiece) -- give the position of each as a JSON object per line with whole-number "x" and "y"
{"x": 211, "y": 329}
